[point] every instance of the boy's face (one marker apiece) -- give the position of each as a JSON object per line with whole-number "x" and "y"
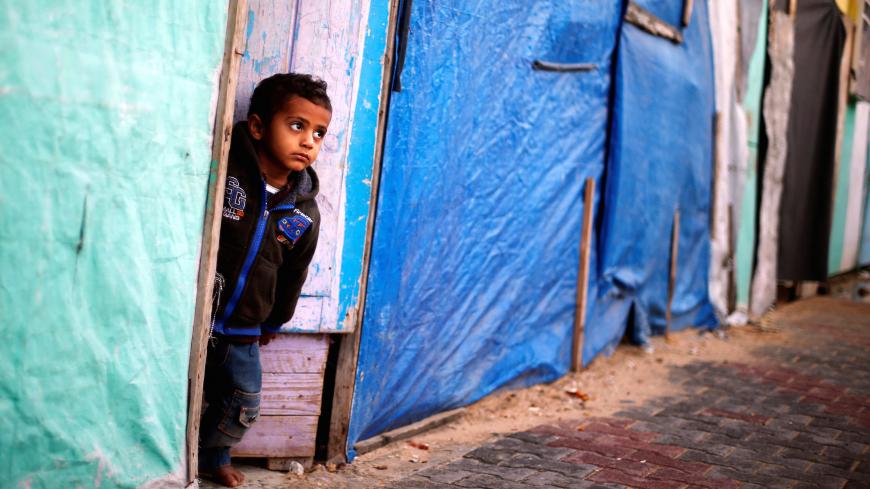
{"x": 293, "y": 138}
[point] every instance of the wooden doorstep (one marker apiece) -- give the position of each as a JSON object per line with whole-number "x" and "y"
{"x": 293, "y": 370}
{"x": 279, "y": 436}
{"x": 291, "y": 394}
{"x": 408, "y": 431}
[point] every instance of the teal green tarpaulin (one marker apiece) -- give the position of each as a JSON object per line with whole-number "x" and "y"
{"x": 105, "y": 129}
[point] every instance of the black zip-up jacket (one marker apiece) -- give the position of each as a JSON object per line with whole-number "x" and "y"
{"x": 265, "y": 248}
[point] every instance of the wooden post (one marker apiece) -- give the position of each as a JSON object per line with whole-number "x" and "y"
{"x": 687, "y": 12}
{"x": 672, "y": 279}
{"x": 732, "y": 261}
{"x": 792, "y": 7}
{"x": 714, "y": 214}
{"x": 233, "y": 49}
{"x": 348, "y": 353}
{"x": 583, "y": 277}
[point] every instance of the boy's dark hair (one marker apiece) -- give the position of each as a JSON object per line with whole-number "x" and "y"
{"x": 272, "y": 93}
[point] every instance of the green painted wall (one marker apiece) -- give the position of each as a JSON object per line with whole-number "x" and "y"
{"x": 841, "y": 193}
{"x": 105, "y": 130}
{"x": 745, "y": 253}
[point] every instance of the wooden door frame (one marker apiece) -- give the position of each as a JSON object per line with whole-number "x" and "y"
{"x": 348, "y": 354}
{"x": 234, "y": 46}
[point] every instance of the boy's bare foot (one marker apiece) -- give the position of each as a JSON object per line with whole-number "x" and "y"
{"x": 226, "y": 475}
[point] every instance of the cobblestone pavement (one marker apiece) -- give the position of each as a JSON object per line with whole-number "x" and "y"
{"x": 796, "y": 417}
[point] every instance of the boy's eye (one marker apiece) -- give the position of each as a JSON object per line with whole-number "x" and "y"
{"x": 319, "y": 134}
{"x": 296, "y": 126}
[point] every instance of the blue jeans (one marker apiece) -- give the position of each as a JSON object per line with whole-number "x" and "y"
{"x": 233, "y": 380}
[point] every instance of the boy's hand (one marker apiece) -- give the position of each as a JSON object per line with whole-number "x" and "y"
{"x": 265, "y": 338}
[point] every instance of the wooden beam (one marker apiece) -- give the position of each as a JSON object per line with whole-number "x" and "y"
{"x": 233, "y": 50}
{"x": 348, "y": 353}
{"x": 583, "y": 277}
{"x": 644, "y": 19}
{"x": 408, "y": 431}
{"x": 687, "y": 11}
{"x": 672, "y": 276}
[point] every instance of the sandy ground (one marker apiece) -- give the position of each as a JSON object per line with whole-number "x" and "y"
{"x": 630, "y": 376}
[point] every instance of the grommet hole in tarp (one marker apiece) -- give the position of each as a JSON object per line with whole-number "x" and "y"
{"x": 563, "y": 67}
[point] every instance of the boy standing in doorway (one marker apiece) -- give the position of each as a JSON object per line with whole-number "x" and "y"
{"x": 269, "y": 231}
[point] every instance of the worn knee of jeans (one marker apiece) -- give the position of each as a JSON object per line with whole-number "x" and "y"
{"x": 241, "y": 409}
{"x": 241, "y": 414}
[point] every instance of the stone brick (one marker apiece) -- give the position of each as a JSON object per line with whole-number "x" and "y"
{"x": 486, "y": 481}
{"x": 670, "y": 474}
{"x": 596, "y": 427}
{"x": 416, "y": 482}
{"x": 531, "y": 437}
{"x": 445, "y": 474}
{"x": 617, "y": 477}
{"x": 472, "y": 465}
{"x": 780, "y": 471}
{"x": 663, "y": 461}
{"x": 515, "y": 445}
{"x": 526, "y": 461}
{"x": 553, "y": 479}
{"x": 607, "y": 449}
{"x": 702, "y": 457}
{"x": 489, "y": 455}
{"x": 766, "y": 481}
{"x": 631, "y": 467}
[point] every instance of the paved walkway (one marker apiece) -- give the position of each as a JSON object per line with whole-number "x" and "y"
{"x": 796, "y": 417}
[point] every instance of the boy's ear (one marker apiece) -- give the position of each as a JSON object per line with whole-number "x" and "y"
{"x": 256, "y": 127}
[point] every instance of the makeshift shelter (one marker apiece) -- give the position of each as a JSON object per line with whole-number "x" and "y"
{"x": 343, "y": 43}
{"x": 814, "y": 149}
{"x": 805, "y": 213}
{"x": 660, "y": 162}
{"x": 753, "y": 58}
{"x": 475, "y": 252}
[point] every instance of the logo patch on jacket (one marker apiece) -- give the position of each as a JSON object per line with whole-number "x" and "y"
{"x": 234, "y": 200}
{"x": 291, "y": 228}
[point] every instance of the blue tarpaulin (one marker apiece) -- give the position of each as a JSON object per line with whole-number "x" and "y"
{"x": 473, "y": 277}
{"x": 660, "y": 161}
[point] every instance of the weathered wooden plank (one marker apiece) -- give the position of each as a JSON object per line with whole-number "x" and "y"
{"x": 268, "y": 41}
{"x": 672, "y": 275}
{"x": 327, "y": 45}
{"x": 348, "y": 353}
{"x": 308, "y": 315}
{"x": 295, "y": 353}
{"x": 279, "y": 436}
{"x": 211, "y": 228}
{"x": 323, "y": 39}
{"x": 291, "y": 394}
{"x": 408, "y": 431}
